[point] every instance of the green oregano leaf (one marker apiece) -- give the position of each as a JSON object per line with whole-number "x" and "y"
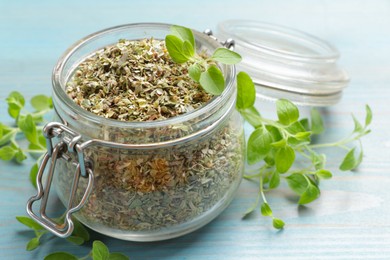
{"x": 246, "y": 93}
{"x": 20, "y": 156}
{"x": 183, "y": 33}
{"x": 212, "y": 80}
{"x": 188, "y": 50}
{"x": 302, "y": 135}
{"x": 252, "y": 116}
{"x": 266, "y": 210}
{"x": 41, "y": 139}
{"x": 6, "y": 134}
{"x": 15, "y": 102}
{"x": 276, "y": 135}
{"x": 194, "y": 71}
{"x": 349, "y": 161}
{"x": 311, "y": 193}
{"x": 27, "y": 221}
{"x": 368, "y": 116}
{"x": 226, "y": 56}
{"x": 323, "y": 174}
{"x": 35, "y": 147}
{"x": 266, "y": 179}
{"x": 7, "y": 153}
{"x": 41, "y": 102}
{"x": 33, "y": 175}
{"x": 75, "y": 240}
{"x": 318, "y": 160}
{"x": 32, "y": 244}
{"x": 61, "y": 256}
{"x": 317, "y": 124}
{"x": 79, "y": 230}
{"x": 359, "y": 159}
{"x": 358, "y": 127}
{"x": 297, "y": 182}
{"x": 175, "y": 49}
{"x": 305, "y": 124}
{"x": 259, "y": 144}
{"x": 269, "y": 159}
{"x": 284, "y": 158}
{"x": 295, "y": 128}
{"x": 28, "y": 126}
{"x": 100, "y": 250}
{"x": 275, "y": 180}
{"x": 277, "y": 223}
{"x": 279, "y": 144}
{"x": 287, "y": 112}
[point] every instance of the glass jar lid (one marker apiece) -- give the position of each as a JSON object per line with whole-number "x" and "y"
{"x": 286, "y": 63}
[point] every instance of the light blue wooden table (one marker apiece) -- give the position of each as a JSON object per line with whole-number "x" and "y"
{"x": 351, "y": 220}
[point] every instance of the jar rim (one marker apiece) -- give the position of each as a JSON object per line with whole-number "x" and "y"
{"x": 59, "y": 91}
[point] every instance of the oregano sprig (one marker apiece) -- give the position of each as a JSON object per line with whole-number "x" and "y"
{"x": 275, "y": 143}
{"x": 28, "y": 124}
{"x": 79, "y": 236}
{"x": 181, "y": 46}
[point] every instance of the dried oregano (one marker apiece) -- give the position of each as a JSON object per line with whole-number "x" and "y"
{"x": 135, "y": 81}
{"x": 159, "y": 188}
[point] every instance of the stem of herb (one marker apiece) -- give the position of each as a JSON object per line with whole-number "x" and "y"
{"x": 35, "y": 151}
{"x": 249, "y": 177}
{"x": 262, "y": 189}
{"x": 341, "y": 143}
{"x": 246, "y": 176}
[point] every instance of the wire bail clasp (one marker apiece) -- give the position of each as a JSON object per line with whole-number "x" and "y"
{"x": 229, "y": 43}
{"x": 68, "y": 143}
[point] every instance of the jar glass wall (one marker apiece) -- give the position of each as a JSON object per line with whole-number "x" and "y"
{"x": 175, "y": 176}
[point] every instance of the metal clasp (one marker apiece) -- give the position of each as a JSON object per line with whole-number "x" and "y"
{"x": 229, "y": 43}
{"x": 68, "y": 142}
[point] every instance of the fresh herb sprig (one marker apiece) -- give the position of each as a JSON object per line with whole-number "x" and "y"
{"x": 181, "y": 47}
{"x": 79, "y": 236}
{"x": 28, "y": 124}
{"x": 275, "y": 143}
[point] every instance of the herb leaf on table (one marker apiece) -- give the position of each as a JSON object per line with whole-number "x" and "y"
{"x": 79, "y": 236}
{"x": 26, "y": 123}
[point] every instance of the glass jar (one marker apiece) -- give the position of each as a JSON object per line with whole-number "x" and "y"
{"x": 140, "y": 181}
